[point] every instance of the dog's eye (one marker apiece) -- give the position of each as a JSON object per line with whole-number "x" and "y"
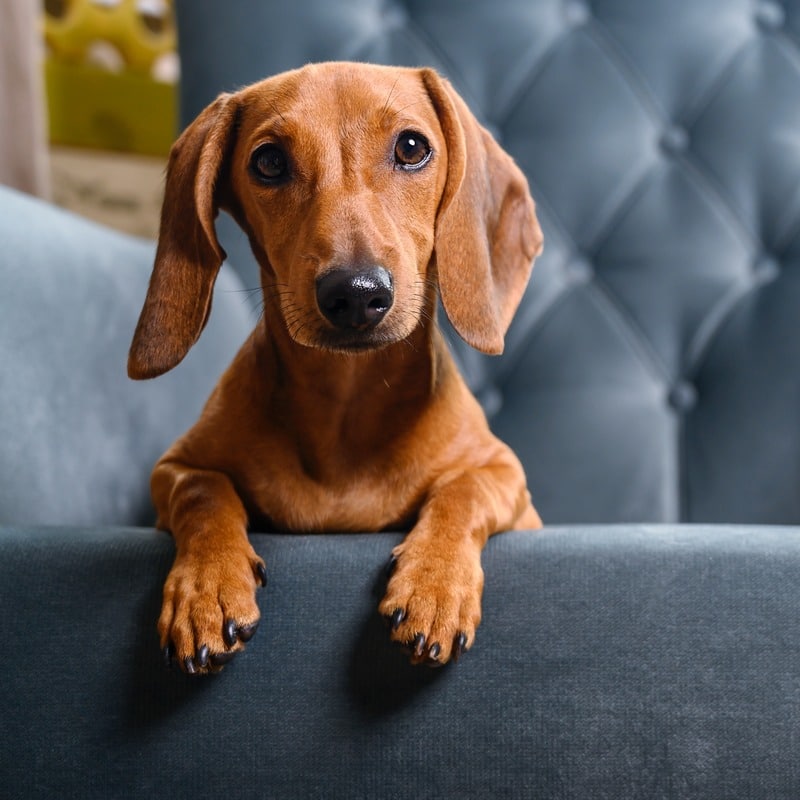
{"x": 270, "y": 164}
{"x": 411, "y": 151}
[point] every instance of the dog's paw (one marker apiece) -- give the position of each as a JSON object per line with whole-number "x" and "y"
{"x": 433, "y": 601}
{"x": 209, "y": 610}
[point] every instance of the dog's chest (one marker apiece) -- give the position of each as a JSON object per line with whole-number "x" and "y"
{"x": 289, "y": 495}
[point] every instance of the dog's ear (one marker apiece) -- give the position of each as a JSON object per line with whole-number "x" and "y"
{"x": 188, "y": 256}
{"x": 487, "y": 234}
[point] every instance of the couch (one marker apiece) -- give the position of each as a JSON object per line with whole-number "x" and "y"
{"x": 646, "y": 642}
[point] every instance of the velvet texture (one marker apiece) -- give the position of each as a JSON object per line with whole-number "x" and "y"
{"x": 651, "y": 376}
{"x": 79, "y": 439}
{"x": 622, "y": 662}
{"x": 644, "y": 377}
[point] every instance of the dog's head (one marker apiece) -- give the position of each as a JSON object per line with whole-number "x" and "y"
{"x": 360, "y": 188}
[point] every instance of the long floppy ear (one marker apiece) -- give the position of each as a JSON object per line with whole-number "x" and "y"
{"x": 188, "y": 256}
{"x": 487, "y": 234}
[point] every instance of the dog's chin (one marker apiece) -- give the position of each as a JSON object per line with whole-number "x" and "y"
{"x": 349, "y": 342}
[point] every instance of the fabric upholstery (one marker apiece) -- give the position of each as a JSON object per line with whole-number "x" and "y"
{"x": 645, "y": 377}
{"x": 79, "y": 439}
{"x": 613, "y": 663}
{"x": 651, "y": 375}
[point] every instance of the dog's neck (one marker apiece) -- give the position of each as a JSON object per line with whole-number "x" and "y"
{"x": 330, "y": 400}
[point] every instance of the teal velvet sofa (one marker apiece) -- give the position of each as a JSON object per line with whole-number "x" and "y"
{"x": 645, "y": 643}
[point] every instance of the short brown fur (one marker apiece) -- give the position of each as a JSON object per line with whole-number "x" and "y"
{"x": 313, "y": 429}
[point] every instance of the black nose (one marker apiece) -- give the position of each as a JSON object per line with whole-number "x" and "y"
{"x": 352, "y": 298}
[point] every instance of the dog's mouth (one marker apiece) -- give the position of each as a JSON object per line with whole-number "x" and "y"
{"x": 354, "y": 341}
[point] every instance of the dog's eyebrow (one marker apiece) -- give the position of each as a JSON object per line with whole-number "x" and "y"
{"x": 273, "y": 126}
{"x": 385, "y": 108}
{"x": 397, "y": 113}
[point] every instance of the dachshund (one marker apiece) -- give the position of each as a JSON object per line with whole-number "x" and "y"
{"x": 368, "y": 194}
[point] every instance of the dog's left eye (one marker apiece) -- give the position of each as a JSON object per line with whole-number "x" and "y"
{"x": 411, "y": 151}
{"x": 270, "y": 164}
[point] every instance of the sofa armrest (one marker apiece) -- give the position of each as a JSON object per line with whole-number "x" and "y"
{"x": 611, "y": 662}
{"x": 79, "y": 438}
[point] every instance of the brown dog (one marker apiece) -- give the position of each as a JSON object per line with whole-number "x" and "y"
{"x": 362, "y": 189}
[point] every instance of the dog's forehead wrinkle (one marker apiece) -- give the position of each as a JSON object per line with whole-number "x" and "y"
{"x": 368, "y": 97}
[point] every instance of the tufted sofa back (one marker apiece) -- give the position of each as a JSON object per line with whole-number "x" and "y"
{"x": 653, "y": 370}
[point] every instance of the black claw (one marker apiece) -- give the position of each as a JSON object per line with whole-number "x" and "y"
{"x": 188, "y": 665}
{"x": 246, "y": 632}
{"x": 391, "y": 566}
{"x": 220, "y": 659}
{"x": 418, "y": 644}
{"x": 229, "y": 632}
{"x": 202, "y": 657}
{"x": 167, "y": 653}
{"x": 397, "y": 617}
{"x": 261, "y": 571}
{"x": 433, "y": 651}
{"x": 459, "y": 646}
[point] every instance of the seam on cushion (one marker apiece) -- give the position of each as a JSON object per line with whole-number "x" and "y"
{"x": 509, "y": 366}
{"x": 636, "y": 81}
{"x": 705, "y": 180}
{"x": 726, "y": 72}
{"x": 617, "y": 215}
{"x": 629, "y": 329}
{"x": 716, "y": 318}
{"x": 612, "y": 211}
{"x": 789, "y": 43}
{"x": 615, "y": 315}
{"x": 414, "y": 32}
{"x": 688, "y": 116}
{"x": 615, "y": 208}
{"x": 525, "y": 87}
{"x": 785, "y": 240}
{"x": 787, "y": 223}
{"x": 450, "y": 68}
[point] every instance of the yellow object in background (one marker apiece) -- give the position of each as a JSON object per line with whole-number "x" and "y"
{"x": 111, "y": 71}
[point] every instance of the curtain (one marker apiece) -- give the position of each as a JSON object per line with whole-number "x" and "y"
{"x": 23, "y": 132}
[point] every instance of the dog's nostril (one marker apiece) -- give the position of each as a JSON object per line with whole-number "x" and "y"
{"x": 337, "y": 306}
{"x": 355, "y": 298}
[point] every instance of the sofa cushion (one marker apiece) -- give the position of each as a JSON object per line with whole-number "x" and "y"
{"x": 622, "y": 662}
{"x": 79, "y": 439}
{"x": 651, "y": 373}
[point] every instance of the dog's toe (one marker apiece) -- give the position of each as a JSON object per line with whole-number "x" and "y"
{"x": 432, "y": 605}
{"x": 209, "y": 611}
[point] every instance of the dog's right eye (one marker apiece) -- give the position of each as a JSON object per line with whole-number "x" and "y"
{"x": 270, "y": 164}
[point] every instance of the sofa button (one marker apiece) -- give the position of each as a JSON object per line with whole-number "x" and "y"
{"x": 674, "y": 140}
{"x": 576, "y": 13}
{"x": 769, "y": 15}
{"x": 766, "y": 268}
{"x": 395, "y": 16}
{"x": 579, "y": 270}
{"x": 491, "y": 400}
{"x": 682, "y": 397}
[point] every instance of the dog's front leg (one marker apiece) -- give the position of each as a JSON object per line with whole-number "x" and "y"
{"x": 209, "y": 609}
{"x": 433, "y": 599}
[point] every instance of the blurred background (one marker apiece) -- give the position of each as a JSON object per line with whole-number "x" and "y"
{"x": 88, "y": 95}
